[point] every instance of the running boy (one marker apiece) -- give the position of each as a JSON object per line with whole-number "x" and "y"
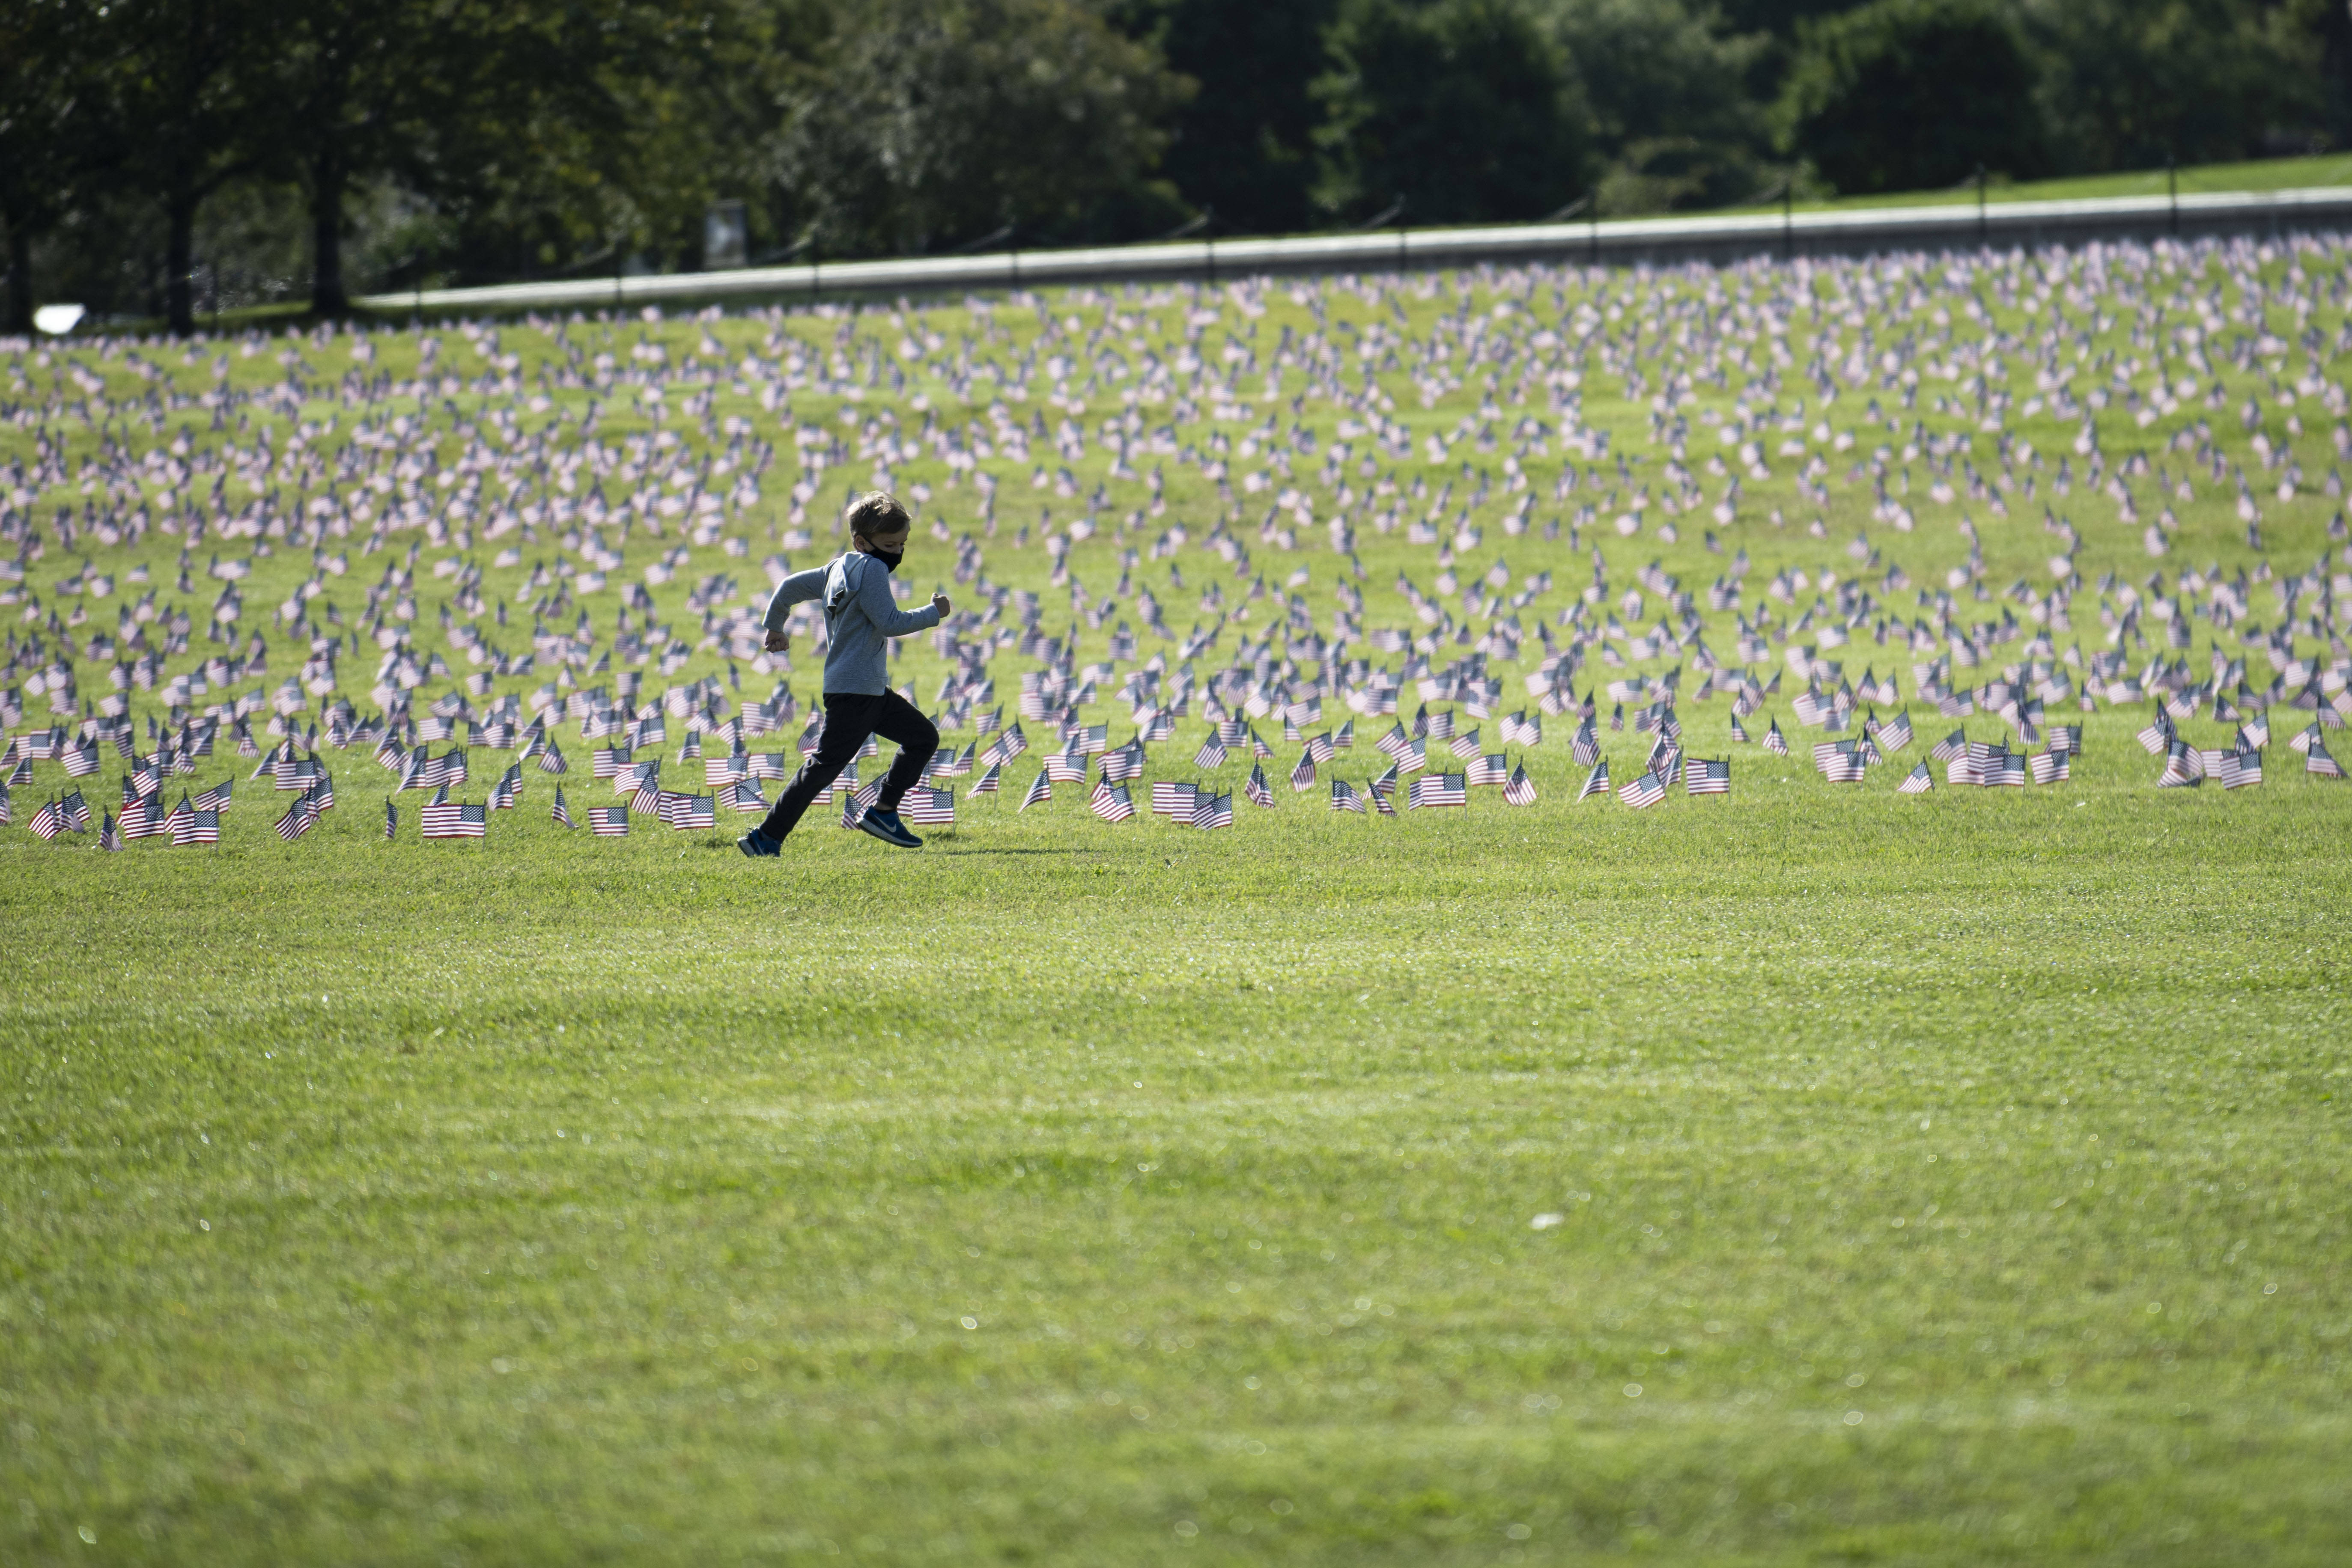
{"x": 860, "y": 617}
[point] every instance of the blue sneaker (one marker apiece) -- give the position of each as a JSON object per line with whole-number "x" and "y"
{"x": 757, "y": 845}
{"x": 885, "y": 826}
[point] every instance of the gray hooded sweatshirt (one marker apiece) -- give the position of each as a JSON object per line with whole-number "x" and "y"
{"x": 860, "y": 617}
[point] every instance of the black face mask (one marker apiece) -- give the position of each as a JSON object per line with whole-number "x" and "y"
{"x": 890, "y": 559}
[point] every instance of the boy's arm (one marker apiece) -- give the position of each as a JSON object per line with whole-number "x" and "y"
{"x": 874, "y": 599}
{"x": 798, "y": 588}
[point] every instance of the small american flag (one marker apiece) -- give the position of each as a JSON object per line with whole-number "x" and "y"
{"x": 1112, "y": 802}
{"x": 195, "y": 827}
{"x": 1839, "y": 762}
{"x": 2048, "y": 767}
{"x": 1488, "y": 771}
{"x": 508, "y": 788}
{"x": 1597, "y": 782}
{"x": 2240, "y": 770}
{"x": 1892, "y": 735}
{"x": 1344, "y": 797}
{"x": 76, "y": 811}
{"x": 1319, "y": 748}
{"x": 1040, "y": 788}
{"x": 552, "y": 759}
{"x": 2157, "y": 736}
{"x": 1259, "y": 793}
{"x": 1522, "y": 789}
{"x": 1382, "y": 797}
{"x": 744, "y": 796}
{"x": 216, "y": 798}
{"x": 1585, "y": 747}
{"x": 49, "y": 822}
{"x": 1951, "y": 746}
{"x": 1737, "y": 733}
{"x": 609, "y": 821}
{"x": 560, "y": 812}
{"x": 390, "y": 819}
{"x": 442, "y": 817}
{"x": 855, "y": 806}
{"x": 987, "y": 783}
{"x": 300, "y": 818}
{"x": 1126, "y": 763}
{"x": 1213, "y": 811}
{"x": 2319, "y": 764}
{"x": 1706, "y": 776}
{"x": 1919, "y": 781}
{"x": 1439, "y": 790}
{"x": 1068, "y": 767}
{"x": 691, "y": 813}
{"x": 1175, "y": 800}
{"x": 930, "y": 807}
{"x": 110, "y": 836}
{"x": 1646, "y": 791}
{"x": 1302, "y": 777}
{"x": 1466, "y": 745}
{"x": 142, "y": 819}
{"x": 1774, "y": 741}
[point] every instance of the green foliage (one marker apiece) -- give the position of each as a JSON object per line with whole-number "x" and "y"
{"x": 2129, "y": 82}
{"x": 1461, "y": 107}
{"x": 1913, "y": 94}
{"x": 51, "y": 132}
{"x": 1665, "y": 93}
{"x": 463, "y": 140}
{"x": 1243, "y": 144}
{"x": 927, "y": 123}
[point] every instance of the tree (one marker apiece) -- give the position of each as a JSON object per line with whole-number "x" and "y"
{"x": 1665, "y": 99}
{"x": 54, "y": 130}
{"x": 1912, "y": 94}
{"x": 927, "y": 121}
{"x": 1244, "y": 142}
{"x": 189, "y": 98}
{"x": 2130, "y": 82}
{"x": 349, "y": 74}
{"x": 1461, "y": 107}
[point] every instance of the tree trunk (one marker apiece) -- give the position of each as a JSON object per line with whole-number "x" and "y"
{"x": 180, "y": 264}
{"x": 20, "y": 278}
{"x": 328, "y": 296}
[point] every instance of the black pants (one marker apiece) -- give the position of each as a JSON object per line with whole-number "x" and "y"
{"x": 849, "y": 718}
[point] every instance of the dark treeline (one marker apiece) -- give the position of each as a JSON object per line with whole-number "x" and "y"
{"x": 168, "y": 157}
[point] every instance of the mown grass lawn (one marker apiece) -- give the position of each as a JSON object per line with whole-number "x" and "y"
{"x": 1950, "y": 1180}
{"x": 1809, "y": 1176}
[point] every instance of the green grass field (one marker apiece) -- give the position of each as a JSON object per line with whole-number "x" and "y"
{"x": 1807, "y": 1176}
{"x": 2203, "y": 179}
{"x": 1961, "y": 1190}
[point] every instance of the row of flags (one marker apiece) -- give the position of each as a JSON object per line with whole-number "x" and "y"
{"x": 196, "y": 819}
